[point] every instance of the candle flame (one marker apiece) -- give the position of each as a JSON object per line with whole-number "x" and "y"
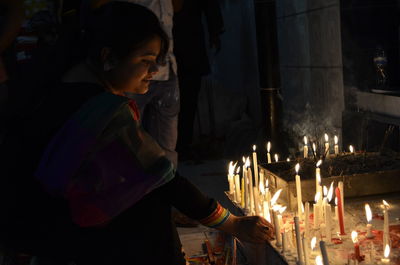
{"x": 262, "y": 189}
{"x": 318, "y": 260}
{"x": 282, "y": 209}
{"x": 317, "y": 196}
{"x": 368, "y": 212}
{"x": 266, "y": 183}
{"x": 330, "y": 192}
{"x": 297, "y": 167}
{"x": 276, "y": 207}
{"x": 326, "y": 137}
{"x": 313, "y": 243}
{"x": 275, "y": 197}
{"x": 325, "y": 189}
{"x": 385, "y": 204}
{"x": 232, "y": 168}
{"x": 351, "y": 148}
{"x": 254, "y": 148}
{"x": 268, "y": 147}
{"x": 319, "y": 163}
{"x": 244, "y": 160}
{"x": 336, "y": 201}
{"x": 354, "y": 236}
{"x": 336, "y": 139}
{"x": 288, "y": 159}
{"x": 247, "y": 162}
{"x": 237, "y": 170}
{"x": 305, "y": 140}
{"x": 387, "y": 251}
{"x": 314, "y": 147}
{"x": 276, "y": 158}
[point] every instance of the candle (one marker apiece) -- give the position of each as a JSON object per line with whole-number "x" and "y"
{"x": 305, "y": 250}
{"x": 277, "y": 229}
{"x": 238, "y": 193}
{"x": 328, "y": 223}
{"x": 336, "y": 210}
{"x": 341, "y": 188}
{"x": 298, "y": 241}
{"x": 231, "y": 170}
{"x": 298, "y": 191}
{"x": 317, "y": 210}
{"x": 318, "y": 261}
{"x": 340, "y": 211}
{"x": 267, "y": 214}
{"x": 261, "y": 185}
{"x": 324, "y": 252}
{"x": 318, "y": 187}
{"x": 285, "y": 246}
{"x": 351, "y": 149}
{"x": 307, "y": 220}
{"x": 368, "y": 214}
{"x": 336, "y": 145}
{"x": 255, "y": 165}
{"x": 354, "y": 237}
{"x": 268, "y": 154}
{"x": 242, "y": 200}
{"x": 246, "y": 185}
{"x": 386, "y": 238}
{"x": 250, "y": 176}
{"x": 326, "y": 144}
{"x": 386, "y": 254}
{"x": 276, "y": 158}
{"x": 305, "y": 149}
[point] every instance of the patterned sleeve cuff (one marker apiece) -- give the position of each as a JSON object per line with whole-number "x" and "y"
{"x": 216, "y": 218}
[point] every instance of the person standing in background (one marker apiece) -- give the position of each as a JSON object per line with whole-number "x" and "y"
{"x": 193, "y": 62}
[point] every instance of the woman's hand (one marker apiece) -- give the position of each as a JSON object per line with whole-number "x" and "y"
{"x": 252, "y": 229}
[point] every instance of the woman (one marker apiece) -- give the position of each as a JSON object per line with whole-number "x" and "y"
{"x": 96, "y": 161}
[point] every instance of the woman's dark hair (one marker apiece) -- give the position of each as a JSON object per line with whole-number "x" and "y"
{"x": 124, "y": 27}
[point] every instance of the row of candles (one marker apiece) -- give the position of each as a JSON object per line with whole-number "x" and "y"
{"x": 256, "y": 199}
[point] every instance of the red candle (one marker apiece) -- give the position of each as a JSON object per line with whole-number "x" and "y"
{"x": 354, "y": 237}
{"x": 340, "y": 211}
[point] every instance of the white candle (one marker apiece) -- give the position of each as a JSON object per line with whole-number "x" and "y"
{"x": 305, "y": 150}
{"x": 238, "y": 193}
{"x": 307, "y": 220}
{"x": 298, "y": 241}
{"x": 256, "y": 202}
{"x": 336, "y": 145}
{"x": 341, "y": 188}
{"x": 317, "y": 210}
{"x": 298, "y": 191}
{"x": 285, "y": 246}
{"x": 318, "y": 187}
{"x": 231, "y": 170}
{"x": 326, "y": 144}
{"x": 277, "y": 229}
{"x": 368, "y": 214}
{"x": 386, "y": 238}
{"x": 267, "y": 215}
{"x": 246, "y": 184}
{"x": 255, "y": 165}
{"x": 250, "y": 176}
{"x": 268, "y": 154}
{"x": 305, "y": 250}
{"x": 328, "y": 223}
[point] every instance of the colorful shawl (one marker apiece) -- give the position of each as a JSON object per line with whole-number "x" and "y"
{"x": 102, "y": 162}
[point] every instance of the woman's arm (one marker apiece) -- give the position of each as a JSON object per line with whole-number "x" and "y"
{"x": 189, "y": 200}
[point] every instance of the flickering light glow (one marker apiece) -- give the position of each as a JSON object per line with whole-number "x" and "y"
{"x": 319, "y": 163}
{"x": 275, "y": 197}
{"x": 387, "y": 251}
{"x": 351, "y": 148}
{"x": 336, "y": 139}
{"x": 354, "y": 237}
{"x": 276, "y": 158}
{"x": 318, "y": 260}
{"x": 297, "y": 168}
{"x": 326, "y": 137}
{"x": 313, "y": 243}
{"x": 305, "y": 140}
{"x": 330, "y": 192}
{"x": 368, "y": 212}
{"x": 254, "y": 148}
{"x": 268, "y": 147}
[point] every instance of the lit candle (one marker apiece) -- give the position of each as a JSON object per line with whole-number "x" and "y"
{"x": 231, "y": 169}
{"x": 324, "y": 252}
{"x": 351, "y": 149}
{"x": 336, "y": 209}
{"x": 328, "y": 215}
{"x": 305, "y": 250}
{"x": 298, "y": 241}
{"x": 318, "y": 187}
{"x": 307, "y": 220}
{"x": 354, "y": 237}
{"x": 386, "y": 238}
{"x": 340, "y": 211}
{"x": 341, "y": 188}
{"x": 246, "y": 185}
{"x": 277, "y": 227}
{"x": 298, "y": 191}
{"x": 268, "y": 154}
{"x": 250, "y": 176}
{"x": 238, "y": 193}
{"x": 336, "y": 145}
{"x": 242, "y": 199}
{"x": 317, "y": 210}
{"x": 267, "y": 215}
{"x": 326, "y": 144}
{"x": 255, "y": 165}
{"x": 276, "y": 158}
{"x": 386, "y": 254}
{"x": 368, "y": 214}
{"x": 305, "y": 149}
{"x": 261, "y": 185}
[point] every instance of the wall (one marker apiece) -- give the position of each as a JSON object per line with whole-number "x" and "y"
{"x": 310, "y": 53}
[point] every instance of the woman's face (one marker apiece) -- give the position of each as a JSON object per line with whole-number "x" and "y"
{"x": 133, "y": 74}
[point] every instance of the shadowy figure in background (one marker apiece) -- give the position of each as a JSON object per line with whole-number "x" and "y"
{"x": 191, "y": 53}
